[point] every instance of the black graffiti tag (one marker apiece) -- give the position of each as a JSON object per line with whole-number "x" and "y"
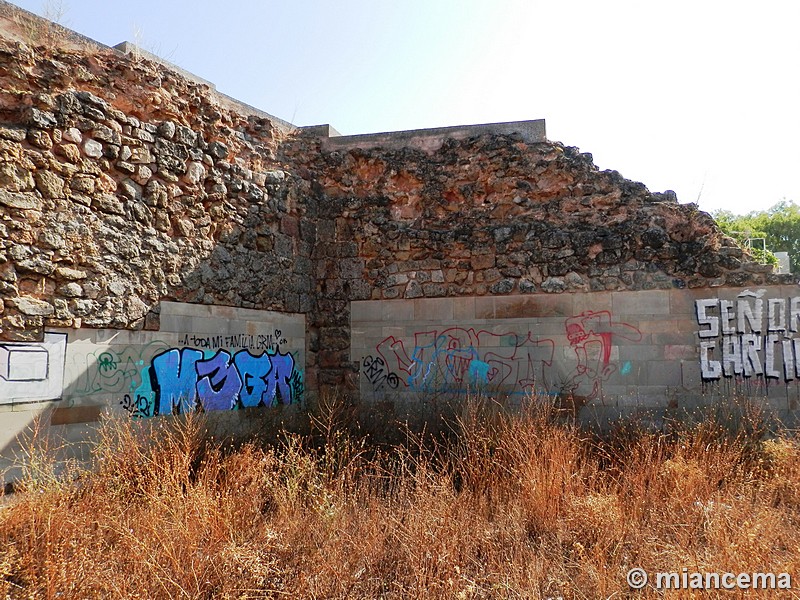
{"x": 140, "y": 408}
{"x": 378, "y": 374}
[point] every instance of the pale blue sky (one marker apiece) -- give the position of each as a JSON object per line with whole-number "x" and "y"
{"x": 698, "y": 96}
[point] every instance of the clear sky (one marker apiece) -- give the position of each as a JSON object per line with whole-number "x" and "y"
{"x": 700, "y": 96}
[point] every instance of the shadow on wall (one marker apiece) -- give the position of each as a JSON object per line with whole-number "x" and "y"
{"x": 126, "y": 213}
{"x": 227, "y": 361}
{"x": 68, "y": 387}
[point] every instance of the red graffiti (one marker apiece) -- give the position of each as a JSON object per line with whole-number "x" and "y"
{"x": 456, "y": 357}
{"x": 591, "y": 336}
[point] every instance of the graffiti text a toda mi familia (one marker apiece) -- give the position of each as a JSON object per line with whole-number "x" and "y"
{"x": 183, "y": 380}
{"x": 749, "y": 336}
{"x": 247, "y": 341}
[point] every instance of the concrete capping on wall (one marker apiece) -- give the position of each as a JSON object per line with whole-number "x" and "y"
{"x": 323, "y": 131}
{"x": 430, "y": 140}
{"x": 11, "y": 14}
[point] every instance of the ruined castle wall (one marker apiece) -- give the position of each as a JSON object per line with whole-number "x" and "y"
{"x": 147, "y": 221}
{"x": 122, "y": 184}
{"x": 127, "y": 189}
{"x": 489, "y": 215}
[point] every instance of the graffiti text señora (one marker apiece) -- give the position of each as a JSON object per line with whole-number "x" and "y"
{"x": 749, "y": 336}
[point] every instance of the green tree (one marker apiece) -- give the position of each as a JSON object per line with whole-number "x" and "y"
{"x": 779, "y": 225}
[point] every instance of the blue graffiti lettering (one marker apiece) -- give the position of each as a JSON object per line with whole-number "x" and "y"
{"x": 184, "y": 380}
{"x": 279, "y": 389}
{"x": 218, "y": 382}
{"x": 254, "y": 371}
{"x": 173, "y": 377}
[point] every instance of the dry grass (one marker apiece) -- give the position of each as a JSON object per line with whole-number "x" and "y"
{"x": 507, "y": 506}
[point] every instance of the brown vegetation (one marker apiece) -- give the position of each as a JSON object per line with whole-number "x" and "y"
{"x": 508, "y": 505}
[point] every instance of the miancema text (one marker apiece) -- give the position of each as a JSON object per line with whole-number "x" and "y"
{"x": 749, "y": 336}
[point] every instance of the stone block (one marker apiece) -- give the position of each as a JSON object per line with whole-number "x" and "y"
{"x": 682, "y": 302}
{"x": 215, "y": 325}
{"x": 670, "y": 339}
{"x": 397, "y": 310}
{"x": 681, "y": 352}
{"x": 369, "y": 310}
{"x": 433, "y": 309}
{"x": 785, "y": 291}
{"x": 358, "y": 339}
{"x": 651, "y": 302}
{"x": 334, "y": 338}
{"x": 654, "y": 325}
{"x": 538, "y": 305}
{"x": 76, "y": 414}
{"x": 688, "y": 325}
{"x": 396, "y": 332}
{"x": 644, "y": 396}
{"x": 664, "y": 373}
{"x": 329, "y": 359}
{"x": 483, "y": 261}
{"x": 484, "y": 308}
{"x": 175, "y": 323}
{"x": 638, "y": 353}
{"x": 183, "y": 308}
{"x": 596, "y": 301}
{"x": 547, "y": 328}
{"x": 295, "y": 333}
{"x": 463, "y": 308}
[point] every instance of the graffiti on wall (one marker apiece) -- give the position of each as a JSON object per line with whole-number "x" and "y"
{"x": 246, "y": 341}
{"x": 457, "y": 358}
{"x": 749, "y": 336}
{"x": 158, "y": 379}
{"x": 32, "y": 371}
{"x": 113, "y": 369}
{"x": 591, "y": 335}
{"x": 182, "y": 380}
{"x": 378, "y": 374}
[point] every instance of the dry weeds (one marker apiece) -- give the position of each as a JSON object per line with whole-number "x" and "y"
{"x": 510, "y": 505}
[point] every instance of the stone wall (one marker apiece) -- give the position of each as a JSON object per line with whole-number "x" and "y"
{"x": 123, "y": 184}
{"x": 128, "y": 187}
{"x": 494, "y": 213}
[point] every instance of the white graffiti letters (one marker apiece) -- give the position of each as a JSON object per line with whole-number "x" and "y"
{"x": 749, "y": 336}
